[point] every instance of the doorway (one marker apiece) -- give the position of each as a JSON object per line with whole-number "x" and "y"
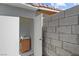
{"x": 26, "y": 36}
{"x": 15, "y": 30}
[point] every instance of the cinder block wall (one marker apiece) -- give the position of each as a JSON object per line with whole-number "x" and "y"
{"x": 61, "y": 33}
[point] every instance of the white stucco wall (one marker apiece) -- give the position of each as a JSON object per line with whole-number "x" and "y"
{"x": 9, "y": 38}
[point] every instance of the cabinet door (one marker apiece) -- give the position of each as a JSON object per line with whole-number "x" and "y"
{"x": 9, "y": 35}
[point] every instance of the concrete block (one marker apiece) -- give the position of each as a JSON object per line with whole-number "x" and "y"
{"x": 64, "y": 29}
{"x": 71, "y": 47}
{"x": 47, "y": 40}
{"x": 51, "y": 29}
{"x": 44, "y": 34}
{"x": 56, "y": 43}
{"x": 44, "y": 28}
{"x": 52, "y": 35}
{"x": 53, "y": 23}
{"x": 51, "y": 47}
{"x": 45, "y": 45}
{"x": 69, "y": 20}
{"x": 46, "y": 18}
{"x": 75, "y": 29}
{"x": 69, "y": 38}
{"x": 45, "y": 52}
{"x": 72, "y": 11}
{"x": 62, "y": 52}
{"x": 45, "y": 23}
{"x": 61, "y": 15}
{"x": 55, "y": 16}
{"x": 51, "y": 53}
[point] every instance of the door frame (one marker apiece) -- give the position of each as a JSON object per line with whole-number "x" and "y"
{"x": 39, "y": 17}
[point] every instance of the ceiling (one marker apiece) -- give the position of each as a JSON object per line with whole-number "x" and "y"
{"x": 21, "y": 5}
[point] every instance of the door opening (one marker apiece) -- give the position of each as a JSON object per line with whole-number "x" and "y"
{"x": 26, "y": 36}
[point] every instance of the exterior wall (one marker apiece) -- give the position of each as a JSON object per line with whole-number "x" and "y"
{"x": 6, "y": 10}
{"x": 61, "y": 33}
{"x": 9, "y": 36}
